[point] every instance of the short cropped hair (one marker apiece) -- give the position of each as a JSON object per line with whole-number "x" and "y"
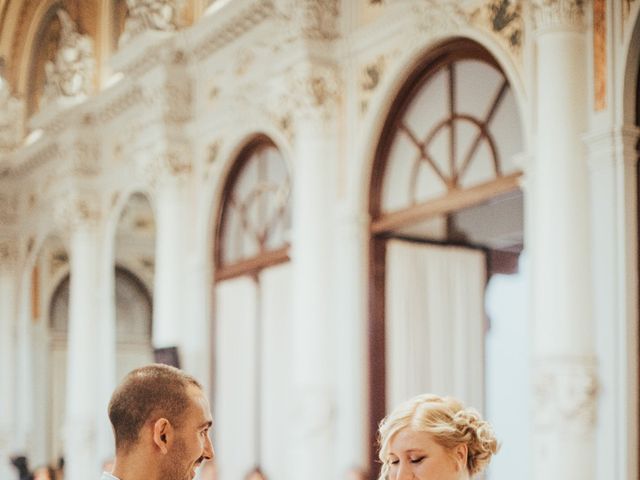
{"x": 450, "y": 424}
{"x": 151, "y": 391}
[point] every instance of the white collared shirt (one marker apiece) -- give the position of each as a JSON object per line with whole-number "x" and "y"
{"x": 108, "y": 476}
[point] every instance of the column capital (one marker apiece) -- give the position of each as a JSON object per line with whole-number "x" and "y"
{"x": 315, "y": 92}
{"x": 559, "y": 14}
{"x": 565, "y": 391}
{"x": 78, "y": 209}
{"x": 170, "y": 162}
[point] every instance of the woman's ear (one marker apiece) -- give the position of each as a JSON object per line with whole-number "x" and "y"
{"x": 460, "y": 453}
{"x": 162, "y": 434}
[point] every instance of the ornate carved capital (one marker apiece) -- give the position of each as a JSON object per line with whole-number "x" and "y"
{"x": 559, "y": 14}
{"x": 71, "y": 73}
{"x": 76, "y": 209}
{"x": 565, "y": 394}
{"x": 174, "y": 162}
{"x": 315, "y": 91}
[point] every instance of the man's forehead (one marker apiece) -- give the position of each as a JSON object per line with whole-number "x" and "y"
{"x": 201, "y": 402}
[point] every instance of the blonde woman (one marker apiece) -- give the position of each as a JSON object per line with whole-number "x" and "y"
{"x": 434, "y": 438}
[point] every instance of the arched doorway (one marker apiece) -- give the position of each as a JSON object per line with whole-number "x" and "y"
{"x": 446, "y": 212}
{"x": 252, "y": 284}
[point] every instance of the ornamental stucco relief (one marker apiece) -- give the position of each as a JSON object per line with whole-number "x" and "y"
{"x": 11, "y": 119}
{"x": 315, "y": 90}
{"x": 144, "y": 15}
{"x": 565, "y": 394}
{"x": 502, "y": 19}
{"x": 71, "y": 73}
{"x": 370, "y": 77}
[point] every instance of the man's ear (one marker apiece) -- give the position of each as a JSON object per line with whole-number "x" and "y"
{"x": 162, "y": 434}
{"x": 460, "y": 453}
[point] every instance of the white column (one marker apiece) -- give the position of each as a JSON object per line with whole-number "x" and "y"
{"x": 174, "y": 224}
{"x": 83, "y": 362}
{"x": 106, "y": 348}
{"x": 24, "y": 368}
{"x": 564, "y": 370}
{"x": 198, "y": 348}
{"x": 613, "y": 166}
{"x": 350, "y": 285}
{"x": 8, "y": 322}
{"x": 314, "y": 352}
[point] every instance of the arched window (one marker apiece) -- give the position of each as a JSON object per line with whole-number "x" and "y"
{"x": 253, "y": 227}
{"x": 252, "y": 322}
{"x": 449, "y": 142}
{"x": 445, "y": 204}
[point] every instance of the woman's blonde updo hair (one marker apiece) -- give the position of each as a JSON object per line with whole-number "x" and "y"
{"x": 448, "y": 421}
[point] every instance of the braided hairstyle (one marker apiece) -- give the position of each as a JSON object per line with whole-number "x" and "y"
{"x": 450, "y": 424}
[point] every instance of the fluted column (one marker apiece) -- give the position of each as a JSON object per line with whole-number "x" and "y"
{"x": 315, "y": 153}
{"x": 613, "y": 159}
{"x": 8, "y": 322}
{"x": 82, "y": 219}
{"x": 564, "y": 369}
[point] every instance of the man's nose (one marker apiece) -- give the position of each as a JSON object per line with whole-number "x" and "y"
{"x": 208, "y": 449}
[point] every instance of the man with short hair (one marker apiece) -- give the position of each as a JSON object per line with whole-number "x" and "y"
{"x": 161, "y": 421}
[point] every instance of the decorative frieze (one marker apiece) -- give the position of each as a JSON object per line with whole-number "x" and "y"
{"x": 552, "y": 14}
{"x": 120, "y": 104}
{"x": 71, "y": 74}
{"x": 238, "y": 25}
{"x": 565, "y": 391}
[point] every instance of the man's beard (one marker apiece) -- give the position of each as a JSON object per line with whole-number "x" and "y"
{"x": 178, "y": 466}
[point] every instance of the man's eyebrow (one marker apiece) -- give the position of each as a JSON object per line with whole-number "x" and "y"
{"x": 206, "y": 424}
